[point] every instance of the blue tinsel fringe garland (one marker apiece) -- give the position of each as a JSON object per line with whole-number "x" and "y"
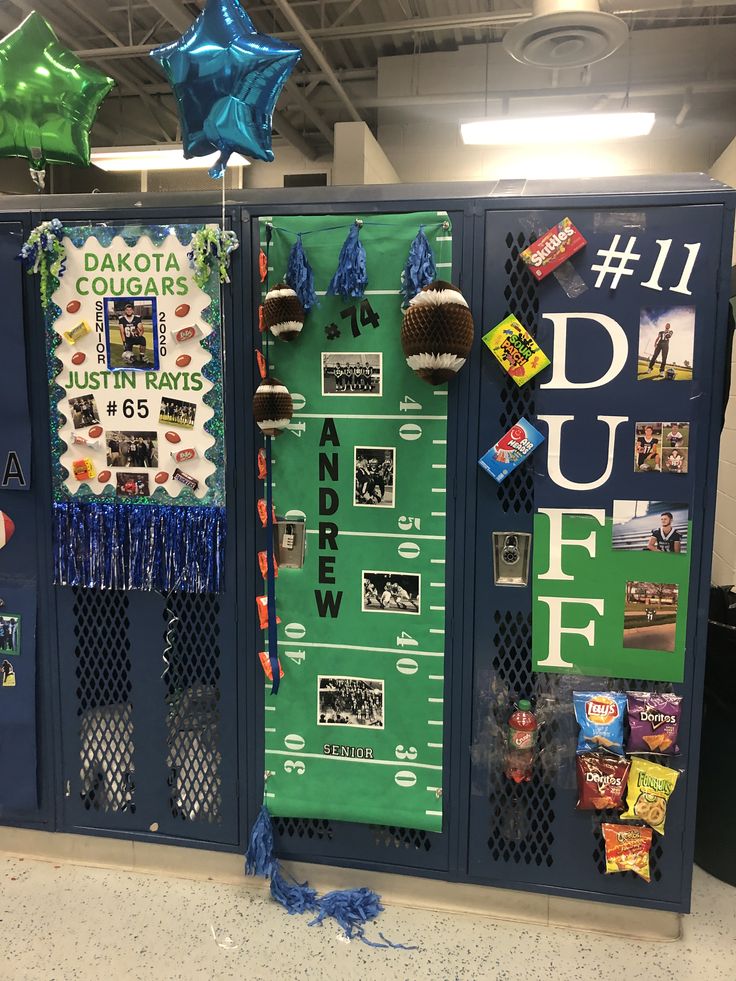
{"x": 351, "y": 276}
{"x": 419, "y": 270}
{"x": 139, "y": 546}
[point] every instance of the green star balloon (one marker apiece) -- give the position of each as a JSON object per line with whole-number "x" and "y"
{"x": 48, "y": 98}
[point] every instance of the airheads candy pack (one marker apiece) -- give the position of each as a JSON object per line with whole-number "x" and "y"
{"x": 511, "y": 449}
{"x": 516, "y": 350}
{"x": 554, "y": 247}
{"x": 600, "y": 715}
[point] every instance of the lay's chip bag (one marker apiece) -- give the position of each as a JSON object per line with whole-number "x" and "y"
{"x": 600, "y": 715}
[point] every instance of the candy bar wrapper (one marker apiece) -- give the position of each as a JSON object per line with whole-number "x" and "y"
{"x": 511, "y": 450}
{"x": 185, "y": 334}
{"x": 183, "y": 456}
{"x": 78, "y": 332}
{"x": 553, "y": 248}
{"x": 184, "y": 478}
{"x": 516, "y": 350}
{"x": 81, "y": 440}
{"x": 262, "y": 464}
{"x": 266, "y": 665}
{"x": 263, "y": 564}
{"x": 83, "y": 469}
{"x": 262, "y": 607}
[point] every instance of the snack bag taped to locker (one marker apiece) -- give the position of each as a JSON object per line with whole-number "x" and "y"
{"x": 600, "y": 715}
{"x": 648, "y": 793}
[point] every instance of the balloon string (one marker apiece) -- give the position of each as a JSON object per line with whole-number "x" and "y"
{"x": 223, "y": 200}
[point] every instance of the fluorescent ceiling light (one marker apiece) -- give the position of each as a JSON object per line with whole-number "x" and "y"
{"x": 168, "y": 157}
{"x": 588, "y": 128}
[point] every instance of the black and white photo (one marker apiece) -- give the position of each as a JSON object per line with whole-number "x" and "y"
{"x": 174, "y": 412}
{"x": 130, "y": 449}
{"x": 375, "y": 476}
{"x": 352, "y": 374}
{"x": 391, "y": 592}
{"x": 84, "y": 411}
{"x": 347, "y": 701}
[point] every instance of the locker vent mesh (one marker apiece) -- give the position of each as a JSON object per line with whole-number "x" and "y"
{"x": 192, "y": 693}
{"x": 516, "y": 493}
{"x": 289, "y": 827}
{"x": 104, "y": 708}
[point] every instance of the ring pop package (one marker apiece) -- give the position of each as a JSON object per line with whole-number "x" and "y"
{"x": 627, "y": 849}
{"x": 654, "y": 720}
{"x": 600, "y": 715}
{"x": 648, "y": 792}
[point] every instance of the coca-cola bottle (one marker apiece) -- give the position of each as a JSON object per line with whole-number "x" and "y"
{"x": 521, "y": 743}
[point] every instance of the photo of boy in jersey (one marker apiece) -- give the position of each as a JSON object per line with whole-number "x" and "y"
{"x": 648, "y": 447}
{"x": 666, "y": 341}
{"x": 675, "y": 461}
{"x": 130, "y": 333}
{"x": 650, "y": 526}
{"x": 650, "y": 615}
{"x": 375, "y": 476}
{"x": 351, "y": 374}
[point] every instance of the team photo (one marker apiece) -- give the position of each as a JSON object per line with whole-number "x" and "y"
{"x": 350, "y": 702}
{"x": 125, "y": 449}
{"x": 84, "y": 411}
{"x": 375, "y": 476}
{"x": 9, "y": 634}
{"x": 174, "y": 412}
{"x": 130, "y": 333}
{"x": 666, "y": 339}
{"x": 391, "y": 592}
{"x": 352, "y": 374}
{"x": 130, "y": 484}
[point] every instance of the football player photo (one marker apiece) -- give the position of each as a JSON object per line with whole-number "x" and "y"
{"x": 130, "y": 333}
{"x": 375, "y": 476}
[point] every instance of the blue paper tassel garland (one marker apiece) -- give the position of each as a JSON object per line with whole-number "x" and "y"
{"x": 299, "y": 275}
{"x": 419, "y": 270}
{"x": 351, "y": 276}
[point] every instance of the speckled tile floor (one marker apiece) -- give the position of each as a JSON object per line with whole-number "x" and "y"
{"x": 69, "y": 923}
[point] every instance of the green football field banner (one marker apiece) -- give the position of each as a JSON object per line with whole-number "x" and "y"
{"x": 355, "y": 732}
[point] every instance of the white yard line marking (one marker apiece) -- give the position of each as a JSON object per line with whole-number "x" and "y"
{"x": 435, "y": 722}
{"x": 440, "y": 700}
{"x": 434, "y": 813}
{"x": 439, "y": 466}
{"x": 435, "y": 745}
{"x": 437, "y": 561}
{"x": 270, "y": 708}
{"x": 436, "y": 677}
{"x": 439, "y": 490}
{"x": 269, "y": 794}
{"x": 438, "y": 609}
{"x": 443, "y": 265}
{"x": 344, "y": 415}
{"x": 381, "y": 534}
{"x": 437, "y": 585}
{"x": 439, "y": 442}
{"x": 443, "y": 238}
{"x": 352, "y": 647}
{"x": 440, "y": 391}
{"x": 439, "y": 514}
{"x": 269, "y": 729}
{"x": 433, "y": 790}
{"x": 436, "y": 630}
{"x": 348, "y": 759}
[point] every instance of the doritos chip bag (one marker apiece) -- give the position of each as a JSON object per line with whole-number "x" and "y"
{"x": 648, "y": 792}
{"x": 627, "y": 849}
{"x": 600, "y": 715}
{"x": 601, "y": 781}
{"x": 654, "y": 720}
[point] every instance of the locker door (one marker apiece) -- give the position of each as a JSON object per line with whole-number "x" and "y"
{"x": 531, "y": 835}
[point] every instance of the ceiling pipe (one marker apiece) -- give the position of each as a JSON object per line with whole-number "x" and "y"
{"x": 306, "y": 38}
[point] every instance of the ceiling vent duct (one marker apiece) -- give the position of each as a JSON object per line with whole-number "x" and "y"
{"x": 565, "y": 34}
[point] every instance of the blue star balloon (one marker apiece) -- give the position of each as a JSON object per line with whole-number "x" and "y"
{"x": 226, "y": 78}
